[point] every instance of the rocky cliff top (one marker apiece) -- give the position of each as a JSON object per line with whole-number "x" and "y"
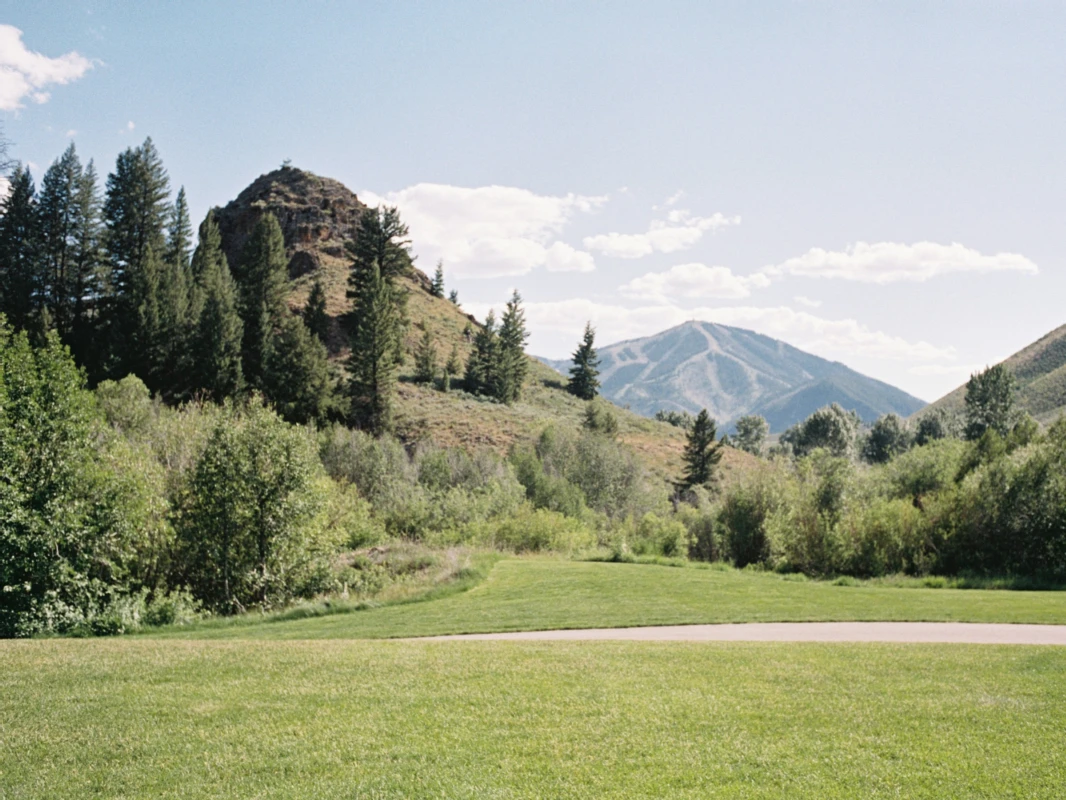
{"x": 316, "y": 215}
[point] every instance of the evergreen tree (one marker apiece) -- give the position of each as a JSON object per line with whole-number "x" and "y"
{"x": 263, "y": 282}
{"x": 702, "y": 453}
{"x": 381, "y": 241}
{"x": 381, "y": 244}
{"x": 136, "y": 212}
{"x": 436, "y": 287}
{"x": 216, "y": 363}
{"x": 87, "y": 273}
{"x": 990, "y": 402}
{"x": 58, "y": 212}
{"x": 512, "y": 366}
{"x": 452, "y": 368}
{"x": 425, "y": 358}
{"x": 296, "y": 373}
{"x": 315, "y": 316}
{"x": 453, "y": 296}
{"x": 20, "y": 278}
{"x": 481, "y": 366}
{"x": 177, "y": 306}
{"x": 372, "y": 364}
{"x": 584, "y": 375}
{"x": 179, "y": 236}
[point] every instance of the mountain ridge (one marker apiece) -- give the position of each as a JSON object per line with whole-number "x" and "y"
{"x": 1040, "y": 369}
{"x": 733, "y": 372}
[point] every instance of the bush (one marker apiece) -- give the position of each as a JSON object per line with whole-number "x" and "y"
{"x": 534, "y": 530}
{"x": 657, "y": 536}
{"x": 252, "y": 529}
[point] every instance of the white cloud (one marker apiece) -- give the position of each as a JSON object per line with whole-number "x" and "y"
{"x": 490, "y": 231}
{"x": 25, "y": 74}
{"x": 888, "y": 262}
{"x": 844, "y": 339}
{"x": 561, "y": 257}
{"x": 806, "y": 301}
{"x": 679, "y": 231}
{"x": 71, "y": 133}
{"x": 694, "y": 281}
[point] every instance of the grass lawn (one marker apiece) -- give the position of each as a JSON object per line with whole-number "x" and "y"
{"x": 333, "y": 719}
{"x": 544, "y": 593}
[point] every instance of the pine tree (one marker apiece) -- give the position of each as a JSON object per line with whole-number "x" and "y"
{"x": 263, "y": 282}
{"x": 372, "y": 364}
{"x": 87, "y": 273}
{"x": 315, "y": 316}
{"x": 452, "y": 368}
{"x": 381, "y": 241}
{"x": 453, "y": 296}
{"x": 58, "y": 213}
{"x": 512, "y": 366}
{"x": 584, "y": 375}
{"x": 297, "y": 380}
{"x": 136, "y": 212}
{"x": 20, "y": 278}
{"x": 425, "y": 358}
{"x": 381, "y": 244}
{"x": 702, "y": 453}
{"x": 179, "y": 236}
{"x": 481, "y": 372}
{"x": 436, "y": 287}
{"x": 219, "y": 331}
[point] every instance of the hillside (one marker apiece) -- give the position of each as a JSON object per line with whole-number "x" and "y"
{"x": 317, "y": 216}
{"x": 1040, "y": 370}
{"x": 732, "y": 372}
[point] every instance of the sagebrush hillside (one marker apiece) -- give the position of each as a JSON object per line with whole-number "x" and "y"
{"x": 317, "y": 216}
{"x": 732, "y": 372}
{"x": 1040, "y": 370}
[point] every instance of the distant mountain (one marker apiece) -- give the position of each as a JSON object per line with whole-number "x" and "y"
{"x": 1041, "y": 372}
{"x": 732, "y": 372}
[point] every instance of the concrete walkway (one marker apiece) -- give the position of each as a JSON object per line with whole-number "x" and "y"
{"x": 929, "y": 632}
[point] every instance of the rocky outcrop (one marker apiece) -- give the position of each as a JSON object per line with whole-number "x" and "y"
{"x": 317, "y": 215}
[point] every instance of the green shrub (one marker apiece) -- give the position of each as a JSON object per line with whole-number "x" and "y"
{"x": 536, "y": 529}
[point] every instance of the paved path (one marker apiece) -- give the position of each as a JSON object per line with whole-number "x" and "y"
{"x": 938, "y": 632}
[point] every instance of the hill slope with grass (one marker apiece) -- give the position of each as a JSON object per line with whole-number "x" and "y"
{"x": 1040, "y": 370}
{"x": 318, "y": 216}
{"x": 732, "y": 372}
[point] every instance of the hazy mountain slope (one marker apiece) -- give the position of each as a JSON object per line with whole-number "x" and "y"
{"x": 732, "y": 372}
{"x": 1041, "y": 372}
{"x": 318, "y": 215}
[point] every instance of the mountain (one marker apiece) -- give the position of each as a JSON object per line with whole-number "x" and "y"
{"x": 318, "y": 216}
{"x": 732, "y": 372}
{"x": 1040, "y": 370}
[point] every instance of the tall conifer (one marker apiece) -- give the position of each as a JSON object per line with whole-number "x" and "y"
{"x": 584, "y": 375}
{"x": 296, "y": 373}
{"x": 372, "y": 364}
{"x": 20, "y": 278}
{"x": 58, "y": 210}
{"x": 481, "y": 367}
{"x": 216, "y": 365}
{"x": 512, "y": 366}
{"x": 136, "y": 212}
{"x": 315, "y": 316}
{"x": 263, "y": 281}
{"x": 702, "y": 452}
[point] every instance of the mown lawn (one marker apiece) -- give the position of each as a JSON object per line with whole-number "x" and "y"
{"x": 543, "y": 594}
{"x": 135, "y": 718}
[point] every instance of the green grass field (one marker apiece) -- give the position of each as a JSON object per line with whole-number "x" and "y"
{"x": 131, "y": 718}
{"x": 545, "y": 593}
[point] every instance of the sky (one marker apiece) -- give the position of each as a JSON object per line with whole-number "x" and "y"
{"x": 881, "y": 184}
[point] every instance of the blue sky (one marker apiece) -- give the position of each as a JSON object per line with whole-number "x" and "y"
{"x": 879, "y": 183}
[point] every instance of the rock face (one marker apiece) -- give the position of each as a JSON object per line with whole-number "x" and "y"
{"x": 732, "y": 372}
{"x": 316, "y": 215}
